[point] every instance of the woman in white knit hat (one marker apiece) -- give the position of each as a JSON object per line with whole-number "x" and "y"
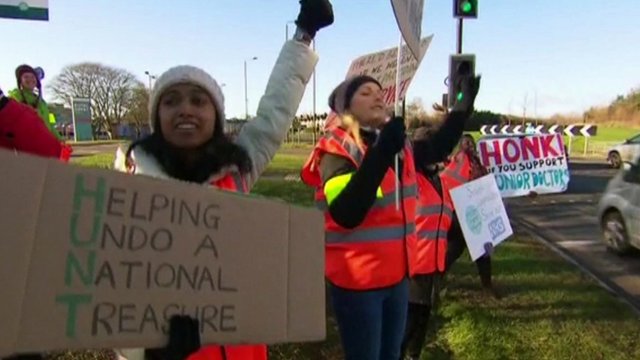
{"x": 188, "y": 143}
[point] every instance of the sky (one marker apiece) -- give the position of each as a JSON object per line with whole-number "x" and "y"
{"x": 539, "y": 56}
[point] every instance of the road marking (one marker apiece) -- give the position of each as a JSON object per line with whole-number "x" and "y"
{"x": 569, "y": 243}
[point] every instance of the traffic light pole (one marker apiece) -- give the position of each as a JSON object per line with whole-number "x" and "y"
{"x": 459, "y": 44}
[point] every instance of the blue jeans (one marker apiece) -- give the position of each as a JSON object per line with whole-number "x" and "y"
{"x": 372, "y": 322}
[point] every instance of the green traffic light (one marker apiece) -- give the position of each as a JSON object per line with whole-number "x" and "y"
{"x": 460, "y": 96}
{"x": 466, "y": 6}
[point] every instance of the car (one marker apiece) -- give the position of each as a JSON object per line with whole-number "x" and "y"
{"x": 627, "y": 151}
{"x": 619, "y": 210}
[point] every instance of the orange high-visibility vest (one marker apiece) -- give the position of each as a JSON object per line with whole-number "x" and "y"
{"x": 378, "y": 252}
{"x": 433, "y": 221}
{"x": 457, "y": 172}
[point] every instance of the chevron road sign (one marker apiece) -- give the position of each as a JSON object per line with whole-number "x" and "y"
{"x": 586, "y": 130}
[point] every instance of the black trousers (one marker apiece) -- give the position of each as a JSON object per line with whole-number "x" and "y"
{"x": 423, "y": 298}
{"x": 456, "y": 246}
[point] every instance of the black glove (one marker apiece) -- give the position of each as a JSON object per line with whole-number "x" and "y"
{"x": 184, "y": 337}
{"x": 314, "y": 15}
{"x": 3, "y": 100}
{"x": 392, "y": 137}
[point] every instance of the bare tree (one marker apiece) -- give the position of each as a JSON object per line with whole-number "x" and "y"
{"x": 138, "y": 114}
{"x": 416, "y": 114}
{"x": 110, "y": 90}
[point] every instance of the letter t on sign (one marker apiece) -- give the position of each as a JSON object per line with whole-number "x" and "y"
{"x": 72, "y": 301}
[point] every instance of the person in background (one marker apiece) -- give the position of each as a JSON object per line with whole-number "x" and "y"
{"x": 370, "y": 241}
{"x": 188, "y": 143}
{"x": 433, "y": 221}
{"x": 466, "y": 166}
{"x": 29, "y": 92}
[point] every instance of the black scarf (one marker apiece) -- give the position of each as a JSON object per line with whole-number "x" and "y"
{"x": 219, "y": 152}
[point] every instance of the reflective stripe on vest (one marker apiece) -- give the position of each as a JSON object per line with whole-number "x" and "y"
{"x": 382, "y": 200}
{"x": 336, "y": 142}
{"x": 434, "y": 210}
{"x": 431, "y": 235}
{"x": 351, "y": 147}
{"x": 433, "y": 221}
{"x": 370, "y": 234}
{"x": 454, "y": 170}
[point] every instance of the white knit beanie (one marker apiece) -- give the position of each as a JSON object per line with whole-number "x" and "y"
{"x": 186, "y": 74}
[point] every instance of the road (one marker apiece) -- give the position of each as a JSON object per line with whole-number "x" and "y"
{"x": 568, "y": 223}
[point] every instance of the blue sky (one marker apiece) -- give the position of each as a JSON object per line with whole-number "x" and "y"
{"x": 559, "y": 55}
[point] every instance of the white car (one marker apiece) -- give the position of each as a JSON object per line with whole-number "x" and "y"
{"x": 619, "y": 210}
{"x": 625, "y": 152}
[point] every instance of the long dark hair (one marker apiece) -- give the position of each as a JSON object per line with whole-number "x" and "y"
{"x": 219, "y": 152}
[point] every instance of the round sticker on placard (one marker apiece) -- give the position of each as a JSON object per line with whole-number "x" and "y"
{"x": 473, "y": 219}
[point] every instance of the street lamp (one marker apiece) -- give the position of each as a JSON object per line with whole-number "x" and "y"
{"x": 313, "y": 122}
{"x": 286, "y": 29}
{"x": 151, "y": 77}
{"x": 246, "y": 97}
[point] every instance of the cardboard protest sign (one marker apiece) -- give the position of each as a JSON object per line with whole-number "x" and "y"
{"x": 522, "y": 164}
{"x": 99, "y": 259}
{"x": 408, "y": 14}
{"x": 382, "y": 66}
{"x": 481, "y": 214}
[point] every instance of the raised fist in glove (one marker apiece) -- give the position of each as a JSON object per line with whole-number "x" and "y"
{"x": 392, "y": 137}
{"x": 314, "y": 15}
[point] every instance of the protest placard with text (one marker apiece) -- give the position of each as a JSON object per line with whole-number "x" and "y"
{"x": 481, "y": 214}
{"x": 99, "y": 259}
{"x": 382, "y": 66}
{"x": 527, "y": 163}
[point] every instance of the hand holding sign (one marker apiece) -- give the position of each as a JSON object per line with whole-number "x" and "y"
{"x": 488, "y": 249}
{"x": 184, "y": 340}
{"x": 393, "y": 136}
{"x": 184, "y": 337}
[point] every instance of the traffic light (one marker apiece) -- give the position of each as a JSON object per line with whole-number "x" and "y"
{"x": 467, "y": 9}
{"x": 460, "y": 65}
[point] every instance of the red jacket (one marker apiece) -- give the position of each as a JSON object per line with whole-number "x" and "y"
{"x": 22, "y": 130}
{"x": 230, "y": 352}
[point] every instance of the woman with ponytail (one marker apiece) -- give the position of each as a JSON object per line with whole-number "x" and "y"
{"x": 370, "y": 236}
